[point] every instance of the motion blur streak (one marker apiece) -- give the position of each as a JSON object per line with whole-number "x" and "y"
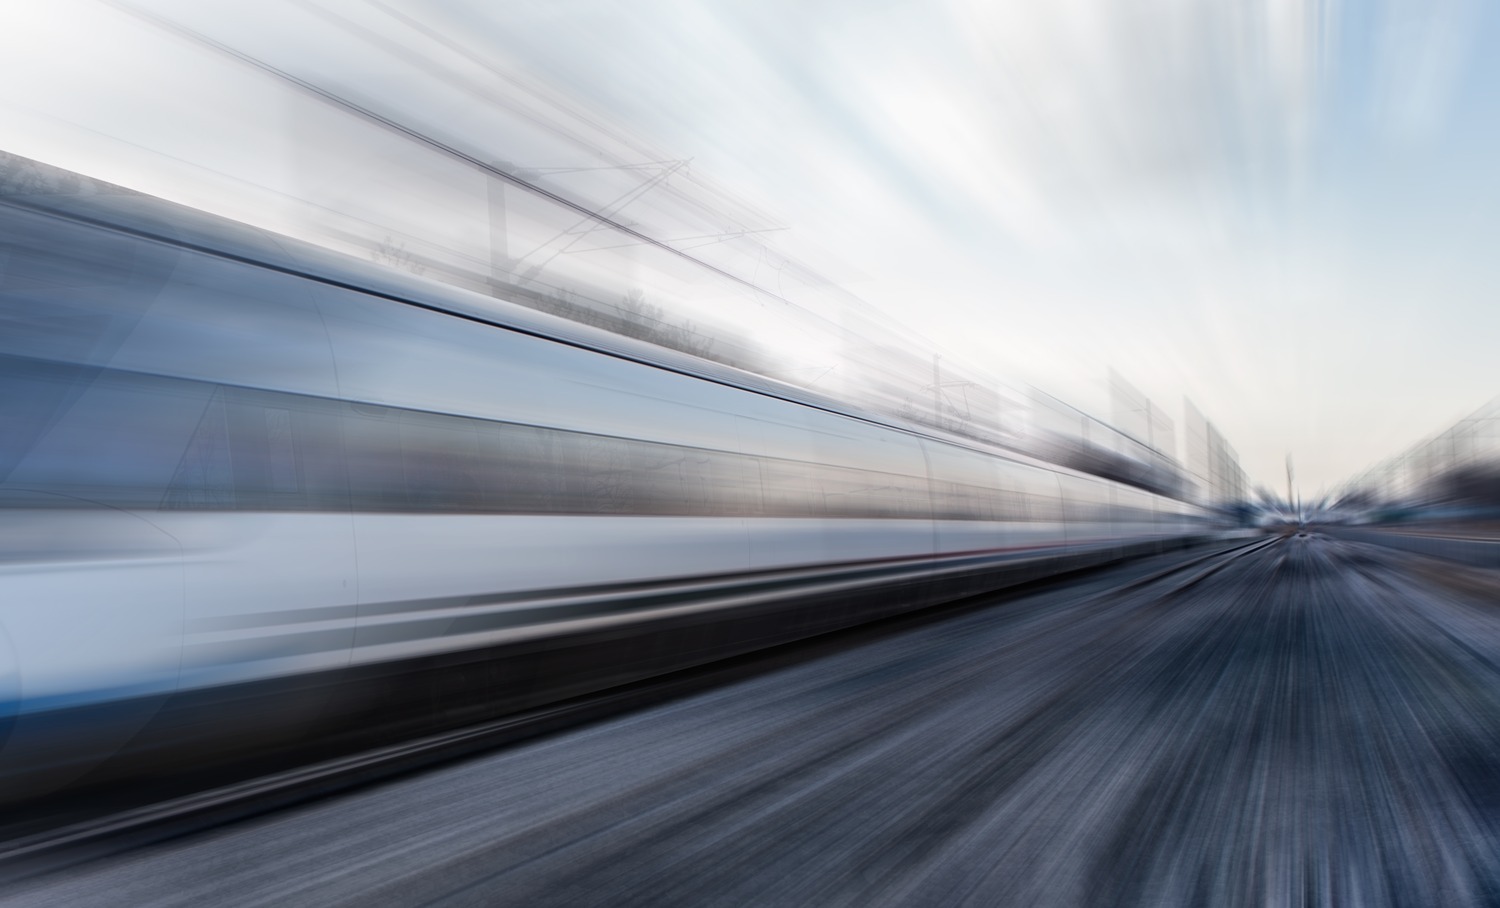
{"x": 257, "y": 495}
{"x": 1312, "y": 722}
{"x": 387, "y": 383}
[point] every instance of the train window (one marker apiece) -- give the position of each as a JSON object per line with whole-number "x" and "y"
{"x": 205, "y": 478}
{"x": 844, "y": 492}
{"x": 679, "y": 485}
{"x": 869, "y": 494}
{"x": 1084, "y": 500}
{"x": 609, "y": 476}
{"x": 372, "y": 452}
{"x": 439, "y": 463}
{"x": 965, "y": 484}
{"x": 522, "y": 469}
{"x": 732, "y": 483}
{"x": 281, "y": 453}
{"x": 283, "y": 459}
{"x": 790, "y": 489}
{"x": 109, "y": 438}
{"x": 321, "y": 454}
{"x": 1007, "y": 505}
{"x": 38, "y": 395}
{"x": 262, "y": 451}
{"x": 185, "y": 444}
{"x": 1037, "y": 495}
{"x": 1131, "y": 505}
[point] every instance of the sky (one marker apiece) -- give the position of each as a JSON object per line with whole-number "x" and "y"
{"x": 1284, "y": 210}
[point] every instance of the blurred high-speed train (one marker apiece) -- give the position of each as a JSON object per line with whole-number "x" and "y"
{"x": 253, "y": 492}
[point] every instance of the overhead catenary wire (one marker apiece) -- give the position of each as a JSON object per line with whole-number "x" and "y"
{"x": 445, "y": 148}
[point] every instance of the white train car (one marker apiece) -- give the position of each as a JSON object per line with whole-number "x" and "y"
{"x": 254, "y": 493}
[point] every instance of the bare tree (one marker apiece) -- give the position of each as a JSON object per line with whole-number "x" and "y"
{"x": 393, "y": 253}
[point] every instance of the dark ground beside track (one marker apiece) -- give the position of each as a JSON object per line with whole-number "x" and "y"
{"x": 1317, "y": 722}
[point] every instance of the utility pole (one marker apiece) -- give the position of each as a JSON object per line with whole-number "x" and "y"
{"x": 937, "y": 391}
{"x": 500, "y": 263}
{"x": 503, "y": 266}
{"x": 602, "y": 218}
{"x": 1289, "y": 503}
